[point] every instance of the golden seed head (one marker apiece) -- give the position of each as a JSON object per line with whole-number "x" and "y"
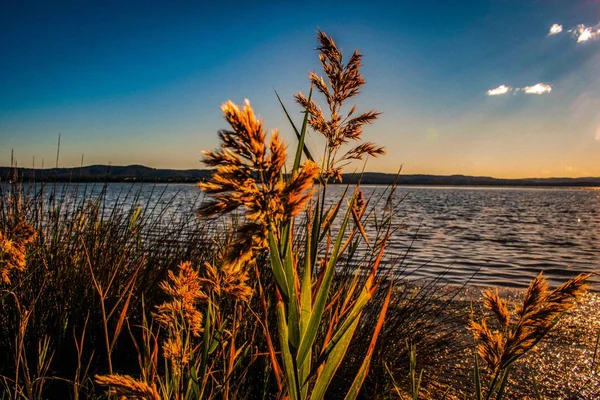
{"x": 229, "y": 281}
{"x": 298, "y": 190}
{"x": 127, "y": 387}
{"x": 250, "y": 174}
{"x": 490, "y": 345}
{"x": 186, "y": 293}
{"x": 359, "y": 152}
{"x": 343, "y": 81}
{"x": 12, "y": 249}
{"x": 173, "y": 350}
{"x": 531, "y": 321}
{"x": 494, "y": 303}
{"x": 359, "y": 206}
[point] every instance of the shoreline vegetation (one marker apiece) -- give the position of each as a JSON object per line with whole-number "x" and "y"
{"x": 140, "y": 173}
{"x": 265, "y": 295}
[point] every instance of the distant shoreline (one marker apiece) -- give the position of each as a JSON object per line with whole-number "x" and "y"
{"x": 138, "y": 173}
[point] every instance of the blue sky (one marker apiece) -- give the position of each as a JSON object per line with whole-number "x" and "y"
{"x": 142, "y": 82}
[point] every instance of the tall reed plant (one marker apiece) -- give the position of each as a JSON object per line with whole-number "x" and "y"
{"x": 250, "y": 174}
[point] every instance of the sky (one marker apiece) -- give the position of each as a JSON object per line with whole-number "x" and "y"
{"x": 497, "y": 88}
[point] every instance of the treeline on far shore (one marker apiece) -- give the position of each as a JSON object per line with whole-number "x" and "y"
{"x": 139, "y": 173}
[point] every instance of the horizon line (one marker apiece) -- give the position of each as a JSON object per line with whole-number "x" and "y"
{"x": 345, "y": 173}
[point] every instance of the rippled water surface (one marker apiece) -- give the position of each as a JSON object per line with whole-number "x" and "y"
{"x": 506, "y": 235}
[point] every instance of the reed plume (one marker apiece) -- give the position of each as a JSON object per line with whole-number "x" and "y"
{"x": 12, "y": 249}
{"x": 126, "y": 387}
{"x": 519, "y": 331}
{"x": 180, "y": 315}
{"x": 343, "y": 82}
{"x": 249, "y": 175}
{"x": 186, "y": 293}
{"x": 225, "y": 282}
{"x": 533, "y": 320}
{"x": 177, "y": 352}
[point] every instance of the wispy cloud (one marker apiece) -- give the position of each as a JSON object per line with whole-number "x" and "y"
{"x": 502, "y": 89}
{"x": 538, "y": 88}
{"x": 554, "y": 29}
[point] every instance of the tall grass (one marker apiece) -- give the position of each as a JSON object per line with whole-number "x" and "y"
{"x": 87, "y": 270}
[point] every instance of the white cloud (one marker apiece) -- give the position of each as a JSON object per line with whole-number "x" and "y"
{"x": 554, "y": 29}
{"x": 584, "y": 33}
{"x": 502, "y": 89}
{"x": 538, "y": 88}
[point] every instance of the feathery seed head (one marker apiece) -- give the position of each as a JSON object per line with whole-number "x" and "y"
{"x": 536, "y": 292}
{"x": 494, "y": 303}
{"x": 299, "y": 189}
{"x": 186, "y": 293}
{"x": 359, "y": 206}
{"x": 363, "y": 149}
{"x": 173, "y": 350}
{"x": 332, "y": 175}
{"x": 490, "y": 345}
{"x": 232, "y": 282}
{"x": 343, "y": 82}
{"x": 532, "y": 320}
{"x": 250, "y": 174}
{"x": 12, "y": 249}
{"x": 127, "y": 387}
{"x": 24, "y": 233}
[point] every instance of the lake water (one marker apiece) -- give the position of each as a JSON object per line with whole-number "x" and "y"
{"x": 492, "y": 236}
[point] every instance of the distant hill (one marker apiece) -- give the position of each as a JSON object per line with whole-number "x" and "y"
{"x": 140, "y": 173}
{"x": 106, "y": 173}
{"x": 465, "y": 180}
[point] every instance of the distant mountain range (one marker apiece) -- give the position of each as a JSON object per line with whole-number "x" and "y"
{"x": 140, "y": 173}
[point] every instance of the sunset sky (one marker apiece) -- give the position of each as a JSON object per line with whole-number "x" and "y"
{"x": 498, "y": 88}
